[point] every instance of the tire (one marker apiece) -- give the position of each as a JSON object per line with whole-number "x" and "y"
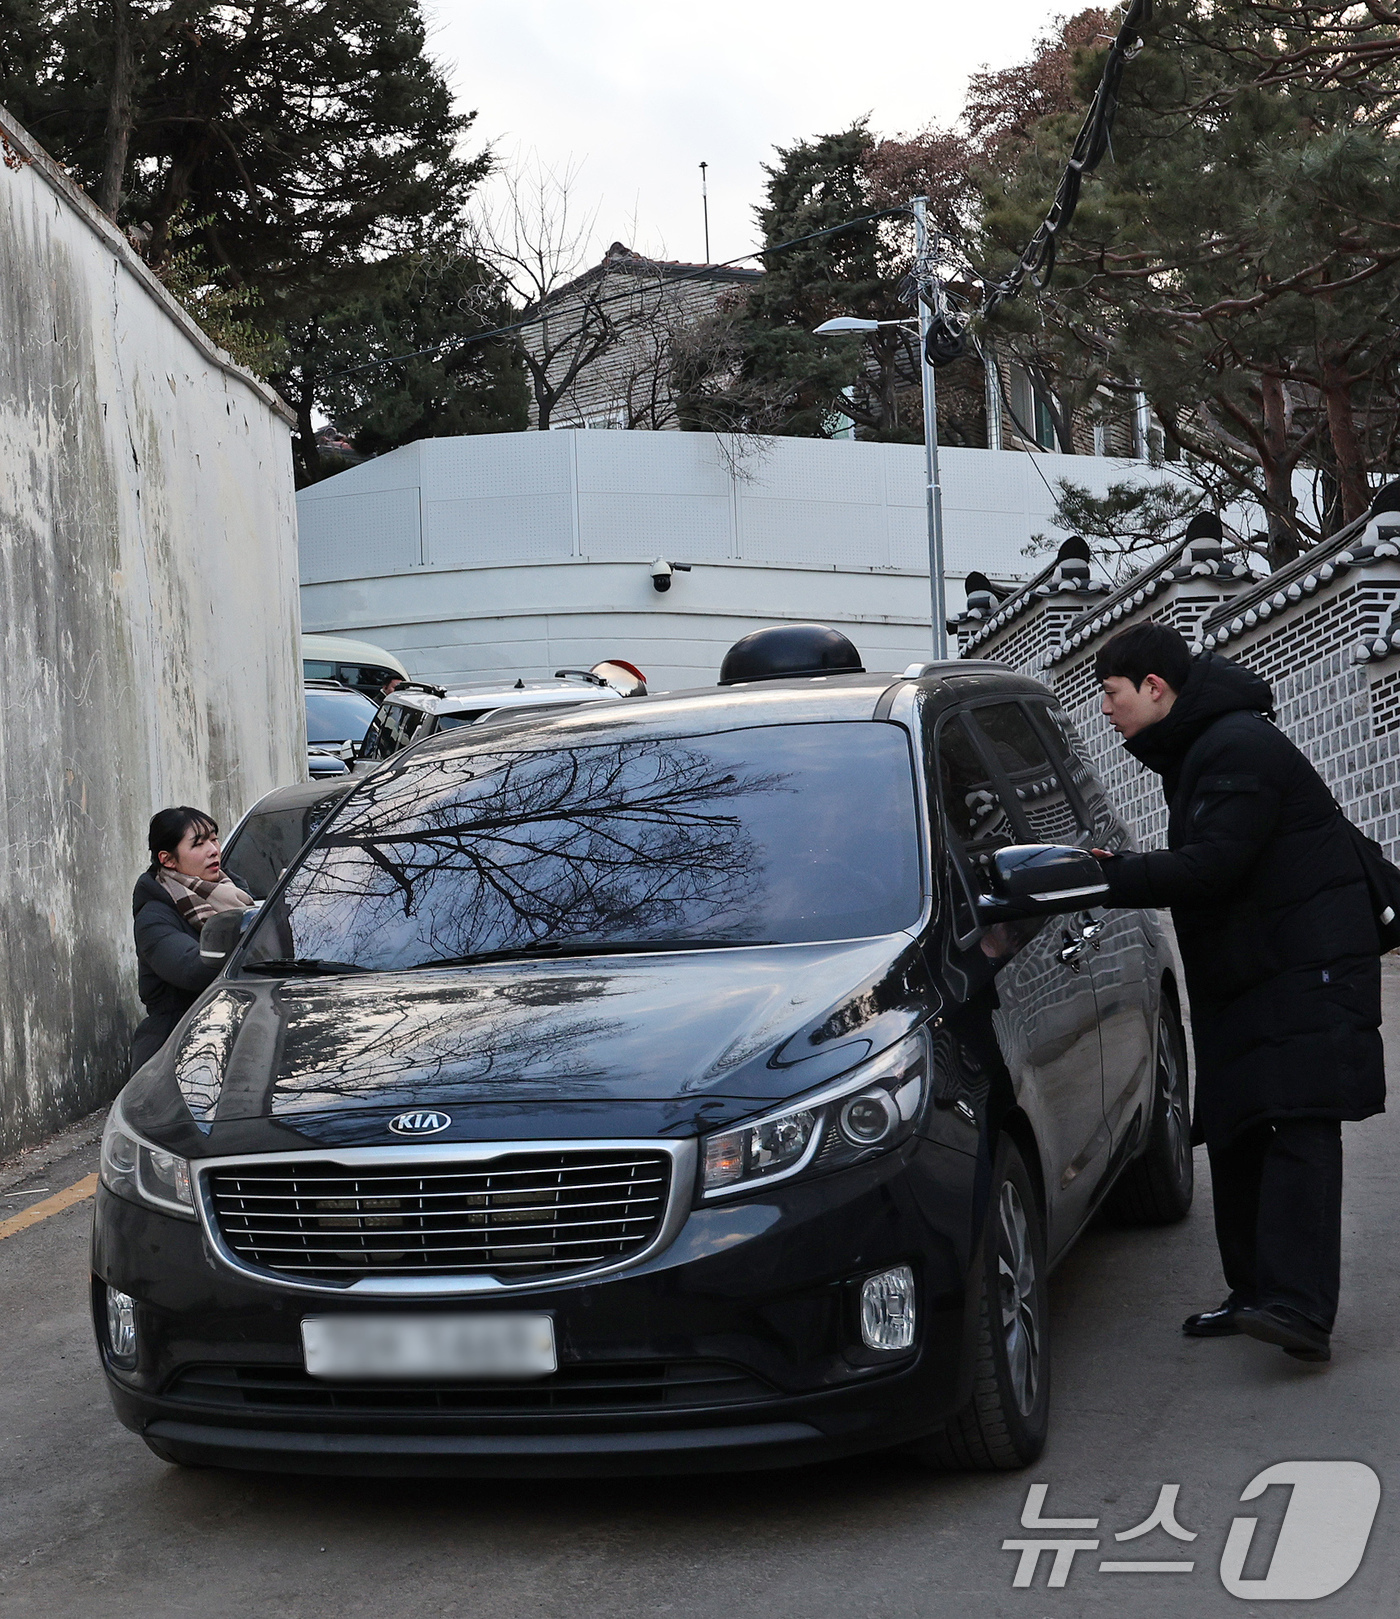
{"x": 1157, "y": 1187}
{"x": 1003, "y": 1426}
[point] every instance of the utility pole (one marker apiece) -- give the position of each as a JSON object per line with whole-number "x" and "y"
{"x": 991, "y": 378}
{"x": 705, "y": 204}
{"x": 924, "y": 275}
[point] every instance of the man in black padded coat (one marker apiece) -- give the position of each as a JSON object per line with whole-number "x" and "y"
{"x": 1279, "y": 943}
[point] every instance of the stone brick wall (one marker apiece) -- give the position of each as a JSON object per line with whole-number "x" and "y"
{"x": 1324, "y": 631}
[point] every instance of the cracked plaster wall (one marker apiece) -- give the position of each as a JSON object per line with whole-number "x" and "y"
{"x": 148, "y": 620}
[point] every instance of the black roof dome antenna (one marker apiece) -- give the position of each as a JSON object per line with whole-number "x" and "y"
{"x": 785, "y": 651}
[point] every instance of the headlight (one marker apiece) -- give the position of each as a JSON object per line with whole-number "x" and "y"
{"x": 867, "y": 1112}
{"x": 135, "y": 1168}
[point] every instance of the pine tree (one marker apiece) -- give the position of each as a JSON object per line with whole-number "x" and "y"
{"x": 1240, "y": 257}
{"x": 814, "y": 185}
{"x": 313, "y": 143}
{"x": 346, "y": 359}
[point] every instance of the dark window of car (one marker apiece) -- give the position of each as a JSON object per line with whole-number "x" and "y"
{"x": 370, "y": 678}
{"x": 976, "y": 816}
{"x": 775, "y": 834}
{"x": 337, "y": 716}
{"x": 468, "y": 716}
{"x": 1070, "y": 745}
{"x": 263, "y": 845}
{"x": 1036, "y": 780}
{"x": 393, "y": 730}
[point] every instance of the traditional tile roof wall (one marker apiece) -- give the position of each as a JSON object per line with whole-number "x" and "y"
{"x": 1026, "y": 626}
{"x": 1324, "y": 630}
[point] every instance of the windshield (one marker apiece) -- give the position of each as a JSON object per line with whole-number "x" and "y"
{"x": 778, "y": 834}
{"x": 337, "y": 716}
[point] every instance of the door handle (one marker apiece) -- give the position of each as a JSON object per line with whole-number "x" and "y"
{"x": 1076, "y": 947}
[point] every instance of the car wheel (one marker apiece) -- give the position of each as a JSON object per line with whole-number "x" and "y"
{"x": 1157, "y": 1187}
{"x": 1003, "y": 1425}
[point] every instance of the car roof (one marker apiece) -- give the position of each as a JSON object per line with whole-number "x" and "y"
{"x": 343, "y": 649}
{"x": 337, "y": 688}
{"x": 492, "y": 695}
{"x": 800, "y": 700}
{"x": 302, "y": 794}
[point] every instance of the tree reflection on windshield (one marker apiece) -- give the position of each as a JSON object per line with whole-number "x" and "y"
{"x": 779, "y": 833}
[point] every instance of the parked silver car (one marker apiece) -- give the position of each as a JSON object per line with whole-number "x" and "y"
{"x": 415, "y": 710}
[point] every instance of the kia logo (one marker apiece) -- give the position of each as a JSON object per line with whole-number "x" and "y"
{"x": 420, "y": 1124}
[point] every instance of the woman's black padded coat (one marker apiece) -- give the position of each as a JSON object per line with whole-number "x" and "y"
{"x": 171, "y": 974}
{"x": 1271, "y": 910}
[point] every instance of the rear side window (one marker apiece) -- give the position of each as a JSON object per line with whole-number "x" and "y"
{"x": 1102, "y": 820}
{"x": 468, "y": 716}
{"x": 1032, "y": 775}
{"x": 392, "y": 731}
{"x": 977, "y": 817}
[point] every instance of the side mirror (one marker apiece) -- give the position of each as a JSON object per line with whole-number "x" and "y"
{"x": 220, "y": 933}
{"x": 1041, "y": 879}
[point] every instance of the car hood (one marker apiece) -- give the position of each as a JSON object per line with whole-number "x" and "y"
{"x": 678, "y": 1042}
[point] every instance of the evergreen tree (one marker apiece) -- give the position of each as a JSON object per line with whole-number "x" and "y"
{"x": 345, "y": 360}
{"x": 1241, "y": 257}
{"x": 313, "y": 147}
{"x": 814, "y": 185}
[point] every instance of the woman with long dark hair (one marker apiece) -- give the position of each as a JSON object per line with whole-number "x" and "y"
{"x": 185, "y": 885}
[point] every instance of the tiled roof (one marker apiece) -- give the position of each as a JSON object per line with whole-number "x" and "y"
{"x": 1188, "y": 559}
{"x": 1065, "y": 577}
{"x": 1368, "y": 539}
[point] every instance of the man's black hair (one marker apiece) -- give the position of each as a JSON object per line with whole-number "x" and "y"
{"x": 1145, "y": 649}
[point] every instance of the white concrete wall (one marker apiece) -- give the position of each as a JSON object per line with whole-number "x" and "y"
{"x": 148, "y": 610}
{"x": 521, "y": 553}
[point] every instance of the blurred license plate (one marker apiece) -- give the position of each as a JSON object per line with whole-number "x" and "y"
{"x": 429, "y": 1345}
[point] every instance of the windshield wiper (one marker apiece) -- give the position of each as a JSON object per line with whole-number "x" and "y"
{"x": 550, "y": 952}
{"x": 310, "y": 966}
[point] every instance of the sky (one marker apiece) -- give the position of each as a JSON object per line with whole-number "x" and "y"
{"x": 636, "y": 93}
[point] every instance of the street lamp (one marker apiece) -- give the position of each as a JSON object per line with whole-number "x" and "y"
{"x": 847, "y": 325}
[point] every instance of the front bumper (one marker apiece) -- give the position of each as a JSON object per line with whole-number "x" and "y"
{"x": 738, "y": 1346}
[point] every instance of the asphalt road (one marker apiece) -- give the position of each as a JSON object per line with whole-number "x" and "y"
{"x": 91, "y": 1523}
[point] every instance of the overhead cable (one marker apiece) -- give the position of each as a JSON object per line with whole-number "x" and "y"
{"x": 1095, "y": 138}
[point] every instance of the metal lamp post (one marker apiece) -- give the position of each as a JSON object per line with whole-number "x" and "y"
{"x": 938, "y": 594}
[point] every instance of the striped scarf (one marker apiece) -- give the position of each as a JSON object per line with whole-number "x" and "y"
{"x": 197, "y": 900}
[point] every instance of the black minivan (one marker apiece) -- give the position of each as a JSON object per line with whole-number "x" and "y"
{"x": 706, "y": 1081}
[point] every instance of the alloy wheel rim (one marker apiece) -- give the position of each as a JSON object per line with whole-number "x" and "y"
{"x": 1020, "y": 1321}
{"x": 1174, "y": 1100}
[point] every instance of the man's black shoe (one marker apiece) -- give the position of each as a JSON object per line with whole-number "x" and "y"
{"x": 1292, "y": 1332}
{"x": 1219, "y": 1323}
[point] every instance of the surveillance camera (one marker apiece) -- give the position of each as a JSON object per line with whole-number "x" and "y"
{"x": 661, "y": 572}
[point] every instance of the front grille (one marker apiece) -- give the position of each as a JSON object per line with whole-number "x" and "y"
{"x": 519, "y": 1216}
{"x": 624, "y": 1386}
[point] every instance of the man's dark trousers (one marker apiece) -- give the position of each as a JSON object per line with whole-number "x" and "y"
{"x": 1278, "y": 1215}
